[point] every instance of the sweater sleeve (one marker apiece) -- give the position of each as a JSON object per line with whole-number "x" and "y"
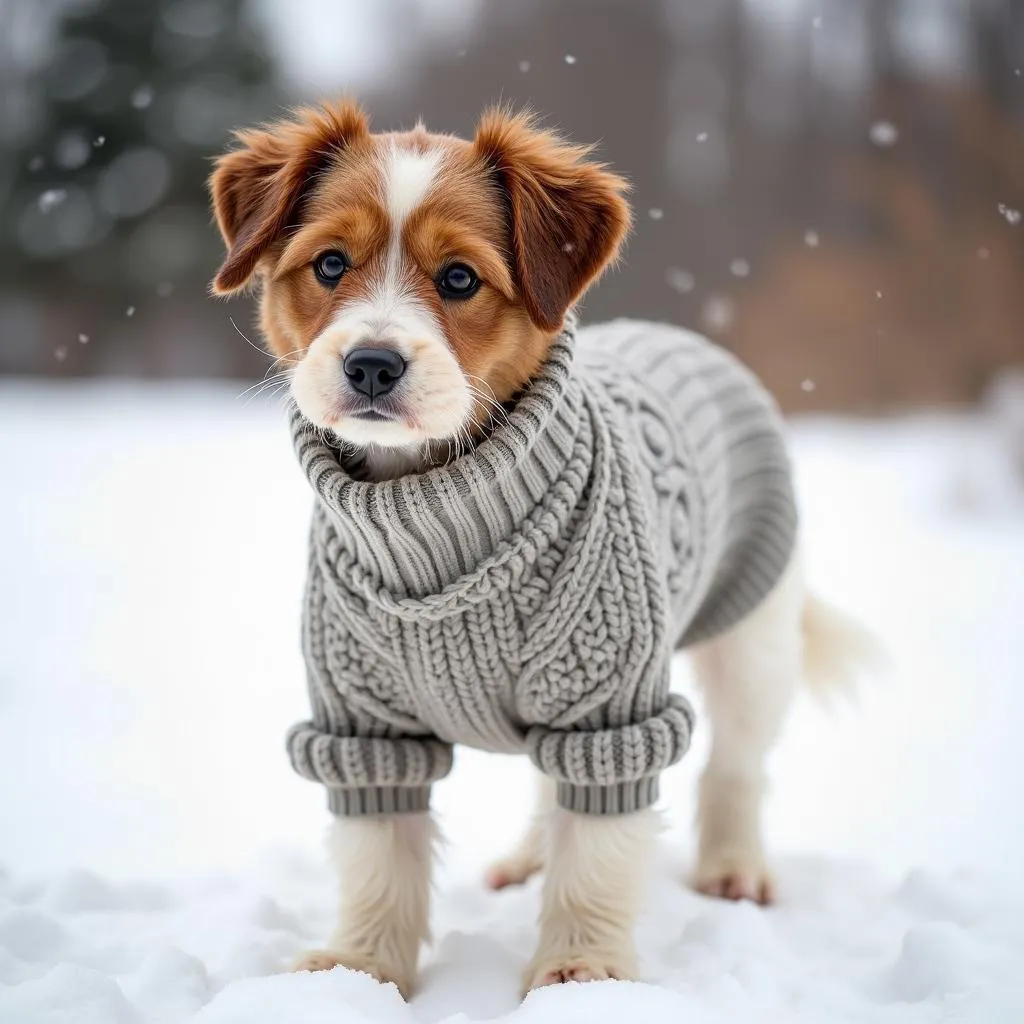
{"x": 371, "y": 759}
{"x": 603, "y": 723}
{"x": 615, "y": 769}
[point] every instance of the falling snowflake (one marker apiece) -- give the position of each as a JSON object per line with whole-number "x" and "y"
{"x": 99, "y": 140}
{"x": 680, "y": 280}
{"x": 655, "y": 213}
{"x": 811, "y": 238}
{"x": 807, "y": 384}
{"x": 702, "y": 137}
{"x": 36, "y": 164}
{"x": 72, "y": 151}
{"x": 568, "y": 247}
{"x": 524, "y": 66}
{"x": 983, "y": 253}
{"x": 878, "y": 294}
{"x": 1010, "y": 215}
{"x": 884, "y": 133}
{"x": 142, "y": 97}
{"x": 718, "y": 313}
{"x": 570, "y": 59}
{"x": 51, "y": 199}
{"x": 739, "y": 268}
{"x": 130, "y": 311}
{"x": 83, "y": 339}
{"x": 60, "y": 353}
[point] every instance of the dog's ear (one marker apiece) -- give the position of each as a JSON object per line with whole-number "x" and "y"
{"x": 256, "y": 189}
{"x": 567, "y": 213}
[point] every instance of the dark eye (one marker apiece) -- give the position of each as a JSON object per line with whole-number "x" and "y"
{"x": 329, "y": 267}
{"x": 457, "y": 282}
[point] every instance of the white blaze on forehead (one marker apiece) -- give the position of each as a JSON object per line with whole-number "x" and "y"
{"x": 406, "y": 178}
{"x": 408, "y": 175}
{"x": 433, "y": 392}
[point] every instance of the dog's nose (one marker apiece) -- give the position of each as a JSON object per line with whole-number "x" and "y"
{"x": 373, "y": 371}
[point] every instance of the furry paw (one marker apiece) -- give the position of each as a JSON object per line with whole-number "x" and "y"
{"x": 557, "y": 970}
{"x": 735, "y": 878}
{"x": 328, "y": 959}
{"x": 512, "y": 870}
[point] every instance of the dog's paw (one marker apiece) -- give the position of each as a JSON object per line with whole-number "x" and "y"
{"x": 557, "y": 970}
{"x": 735, "y": 877}
{"x": 515, "y": 869}
{"x": 328, "y": 959}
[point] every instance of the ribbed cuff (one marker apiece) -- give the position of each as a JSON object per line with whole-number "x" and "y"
{"x": 621, "y": 798}
{"x": 348, "y": 802}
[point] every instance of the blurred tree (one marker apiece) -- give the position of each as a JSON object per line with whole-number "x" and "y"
{"x": 829, "y": 187}
{"x": 105, "y": 205}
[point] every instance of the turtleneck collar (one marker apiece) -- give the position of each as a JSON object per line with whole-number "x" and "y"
{"x": 431, "y": 540}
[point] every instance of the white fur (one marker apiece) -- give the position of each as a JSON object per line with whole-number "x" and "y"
{"x": 408, "y": 175}
{"x": 597, "y": 870}
{"x": 597, "y": 866}
{"x": 433, "y": 398}
{"x": 748, "y": 676}
{"x": 384, "y": 864}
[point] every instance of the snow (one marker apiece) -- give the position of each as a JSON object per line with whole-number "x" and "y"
{"x": 161, "y": 863}
{"x": 883, "y": 133}
{"x": 51, "y": 199}
{"x": 680, "y": 280}
{"x": 1009, "y": 214}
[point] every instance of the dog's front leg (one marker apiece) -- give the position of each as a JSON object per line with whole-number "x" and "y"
{"x": 384, "y": 864}
{"x": 597, "y": 867}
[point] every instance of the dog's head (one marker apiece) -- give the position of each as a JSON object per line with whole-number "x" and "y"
{"x": 411, "y": 280}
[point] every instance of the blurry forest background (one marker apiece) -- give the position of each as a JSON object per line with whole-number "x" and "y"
{"x": 832, "y": 188}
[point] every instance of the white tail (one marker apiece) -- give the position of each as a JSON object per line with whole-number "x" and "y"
{"x": 837, "y": 649}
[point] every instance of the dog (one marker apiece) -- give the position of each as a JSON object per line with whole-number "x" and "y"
{"x": 419, "y": 290}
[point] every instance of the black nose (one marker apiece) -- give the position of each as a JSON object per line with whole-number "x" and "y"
{"x": 373, "y": 371}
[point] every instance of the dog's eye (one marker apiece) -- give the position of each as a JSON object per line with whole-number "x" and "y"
{"x": 329, "y": 267}
{"x": 457, "y": 281}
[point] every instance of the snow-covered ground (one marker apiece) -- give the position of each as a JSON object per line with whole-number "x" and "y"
{"x": 161, "y": 863}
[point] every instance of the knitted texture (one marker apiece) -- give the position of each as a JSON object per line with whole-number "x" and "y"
{"x": 527, "y": 596}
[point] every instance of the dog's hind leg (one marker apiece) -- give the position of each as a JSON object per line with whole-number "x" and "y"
{"x": 748, "y": 676}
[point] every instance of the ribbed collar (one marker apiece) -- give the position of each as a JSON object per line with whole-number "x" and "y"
{"x": 427, "y": 543}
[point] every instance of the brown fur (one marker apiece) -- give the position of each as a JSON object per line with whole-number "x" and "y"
{"x": 256, "y": 189}
{"x": 536, "y": 220}
{"x": 568, "y": 214}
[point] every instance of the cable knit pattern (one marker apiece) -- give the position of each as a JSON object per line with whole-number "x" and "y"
{"x": 527, "y": 597}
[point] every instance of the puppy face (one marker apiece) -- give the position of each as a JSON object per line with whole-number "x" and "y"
{"x": 411, "y": 281}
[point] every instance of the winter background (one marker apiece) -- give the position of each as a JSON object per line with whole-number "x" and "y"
{"x": 831, "y": 188}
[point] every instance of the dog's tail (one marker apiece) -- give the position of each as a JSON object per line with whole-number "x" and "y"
{"x": 838, "y": 650}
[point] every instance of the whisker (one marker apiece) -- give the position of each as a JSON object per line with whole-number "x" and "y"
{"x": 241, "y": 334}
{"x": 272, "y": 387}
{"x": 267, "y": 382}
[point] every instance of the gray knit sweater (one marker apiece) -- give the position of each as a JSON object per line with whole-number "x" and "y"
{"x": 527, "y": 597}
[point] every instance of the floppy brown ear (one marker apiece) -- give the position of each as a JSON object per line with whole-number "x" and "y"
{"x": 567, "y": 214}
{"x": 256, "y": 189}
